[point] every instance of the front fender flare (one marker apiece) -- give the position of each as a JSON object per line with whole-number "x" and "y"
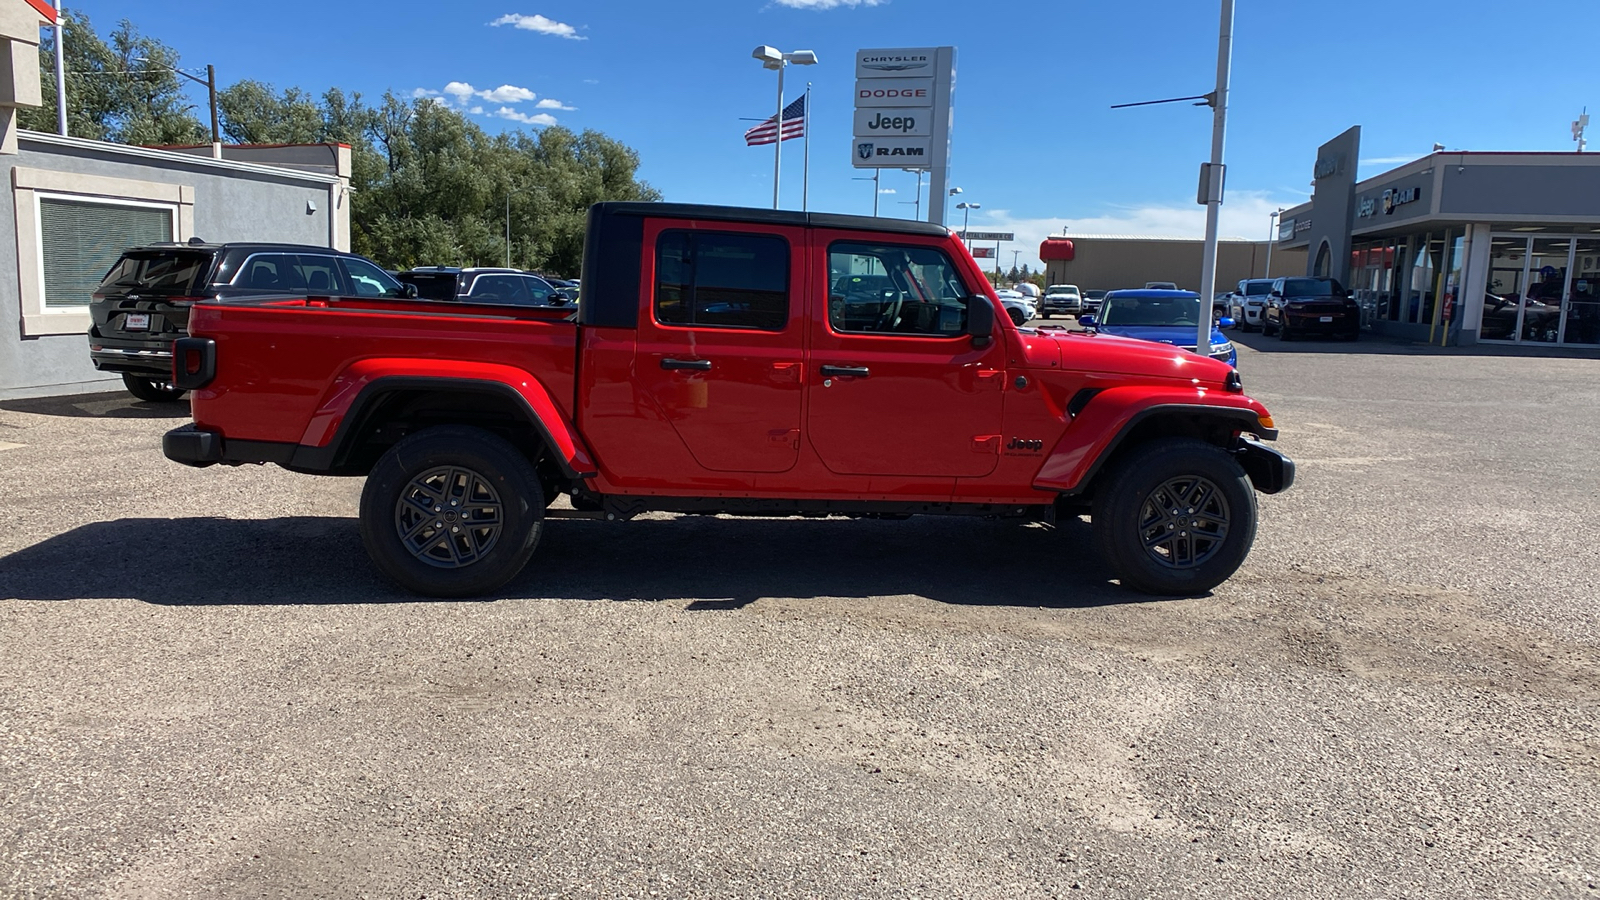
{"x": 365, "y": 380}
{"x": 1101, "y": 426}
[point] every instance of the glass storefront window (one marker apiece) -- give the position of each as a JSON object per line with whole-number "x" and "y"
{"x": 1451, "y": 300}
{"x": 1582, "y": 325}
{"x": 1502, "y": 305}
{"x": 1547, "y": 279}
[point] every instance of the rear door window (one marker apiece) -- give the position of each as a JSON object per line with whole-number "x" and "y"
{"x": 317, "y": 275}
{"x": 158, "y": 273}
{"x": 711, "y": 280}
{"x": 267, "y": 272}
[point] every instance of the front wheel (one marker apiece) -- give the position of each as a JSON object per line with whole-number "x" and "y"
{"x": 1017, "y": 318}
{"x": 1283, "y": 330}
{"x": 1175, "y": 517}
{"x": 452, "y": 511}
{"x": 152, "y": 391}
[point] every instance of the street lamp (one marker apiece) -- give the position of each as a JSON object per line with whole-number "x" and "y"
{"x": 875, "y": 191}
{"x": 1272, "y": 237}
{"x": 918, "y": 201}
{"x": 210, "y": 81}
{"x": 773, "y": 58}
{"x": 966, "y": 210}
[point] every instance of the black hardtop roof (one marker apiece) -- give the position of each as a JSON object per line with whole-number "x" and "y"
{"x": 457, "y": 270}
{"x": 769, "y": 217}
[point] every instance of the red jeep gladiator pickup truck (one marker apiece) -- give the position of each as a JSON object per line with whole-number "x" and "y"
{"x": 732, "y": 361}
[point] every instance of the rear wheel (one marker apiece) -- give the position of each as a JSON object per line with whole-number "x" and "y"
{"x": 1175, "y": 517}
{"x": 452, "y": 511}
{"x": 150, "y": 390}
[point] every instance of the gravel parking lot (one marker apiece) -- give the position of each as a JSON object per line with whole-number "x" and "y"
{"x": 208, "y": 693}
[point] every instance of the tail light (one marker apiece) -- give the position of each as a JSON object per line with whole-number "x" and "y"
{"x": 194, "y": 362}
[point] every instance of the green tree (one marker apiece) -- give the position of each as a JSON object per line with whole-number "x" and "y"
{"x": 122, "y": 89}
{"x": 254, "y": 113}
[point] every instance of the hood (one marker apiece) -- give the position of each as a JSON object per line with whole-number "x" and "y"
{"x": 1108, "y": 353}
{"x": 1176, "y": 335}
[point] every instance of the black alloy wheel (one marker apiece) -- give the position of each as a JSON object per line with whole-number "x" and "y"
{"x": 152, "y": 390}
{"x": 452, "y": 511}
{"x": 1174, "y": 517}
{"x": 1283, "y": 329}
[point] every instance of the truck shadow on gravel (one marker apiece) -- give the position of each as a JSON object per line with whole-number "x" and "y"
{"x": 110, "y": 405}
{"x": 712, "y": 563}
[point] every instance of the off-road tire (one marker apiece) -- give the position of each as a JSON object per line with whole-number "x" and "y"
{"x": 151, "y": 390}
{"x": 485, "y": 474}
{"x": 1123, "y": 516}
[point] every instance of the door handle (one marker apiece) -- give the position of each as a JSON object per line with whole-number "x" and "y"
{"x": 698, "y": 365}
{"x": 842, "y": 371}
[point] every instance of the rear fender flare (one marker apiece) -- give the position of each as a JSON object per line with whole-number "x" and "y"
{"x": 332, "y": 426}
{"x": 1105, "y": 423}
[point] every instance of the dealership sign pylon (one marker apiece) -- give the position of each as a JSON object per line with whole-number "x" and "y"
{"x": 903, "y": 106}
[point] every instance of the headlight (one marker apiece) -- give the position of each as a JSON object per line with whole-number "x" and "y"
{"x": 1222, "y": 350}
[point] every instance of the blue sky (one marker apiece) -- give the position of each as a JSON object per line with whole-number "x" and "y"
{"x": 1034, "y": 140}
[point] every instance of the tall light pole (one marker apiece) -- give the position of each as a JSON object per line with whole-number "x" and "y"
{"x": 918, "y": 201}
{"x": 875, "y": 191}
{"x": 1211, "y": 173}
{"x": 1272, "y": 238}
{"x": 61, "y": 71}
{"x": 210, "y": 81}
{"x": 1212, "y": 182}
{"x": 773, "y": 58}
{"x": 966, "y": 210}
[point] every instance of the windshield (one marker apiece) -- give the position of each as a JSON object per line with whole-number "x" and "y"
{"x": 1062, "y": 289}
{"x": 161, "y": 273}
{"x": 1257, "y": 288}
{"x": 1312, "y": 287}
{"x": 1150, "y": 311}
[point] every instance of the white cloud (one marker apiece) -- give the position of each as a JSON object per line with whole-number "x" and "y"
{"x": 460, "y": 90}
{"x": 542, "y": 25}
{"x": 419, "y": 93}
{"x": 591, "y": 81}
{"x": 507, "y": 93}
{"x": 1390, "y": 160}
{"x": 828, "y": 4}
{"x": 506, "y": 112}
{"x": 476, "y": 110}
{"x": 886, "y": 190}
{"x": 549, "y": 103}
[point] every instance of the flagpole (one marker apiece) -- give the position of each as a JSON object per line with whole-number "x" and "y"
{"x": 777, "y": 145}
{"x": 805, "y": 178}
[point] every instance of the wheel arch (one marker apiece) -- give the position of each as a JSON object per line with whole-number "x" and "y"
{"x": 386, "y": 409}
{"x": 1086, "y": 451}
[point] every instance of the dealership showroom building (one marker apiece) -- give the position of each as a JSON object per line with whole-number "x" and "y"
{"x": 1459, "y": 247}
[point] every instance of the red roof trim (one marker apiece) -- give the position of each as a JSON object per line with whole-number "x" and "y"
{"x": 44, "y": 9}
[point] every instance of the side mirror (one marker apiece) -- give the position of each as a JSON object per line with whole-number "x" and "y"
{"x": 408, "y": 291}
{"x": 980, "y": 321}
{"x": 1350, "y": 294}
{"x": 1086, "y": 321}
{"x": 560, "y": 298}
{"x": 1226, "y": 322}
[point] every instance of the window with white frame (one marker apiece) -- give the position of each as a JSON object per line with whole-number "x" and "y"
{"x": 79, "y": 241}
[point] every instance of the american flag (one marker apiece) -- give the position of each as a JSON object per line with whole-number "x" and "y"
{"x": 794, "y": 125}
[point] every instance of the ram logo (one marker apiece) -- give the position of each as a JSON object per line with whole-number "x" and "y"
{"x": 864, "y": 151}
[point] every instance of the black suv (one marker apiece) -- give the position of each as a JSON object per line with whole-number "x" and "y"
{"x": 142, "y": 305}
{"x": 1302, "y": 306}
{"x": 512, "y": 287}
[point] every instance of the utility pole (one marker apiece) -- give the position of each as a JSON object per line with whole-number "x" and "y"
{"x": 1211, "y": 183}
{"x": 1272, "y": 238}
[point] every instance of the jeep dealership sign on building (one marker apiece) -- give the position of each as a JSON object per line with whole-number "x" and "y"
{"x": 902, "y": 114}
